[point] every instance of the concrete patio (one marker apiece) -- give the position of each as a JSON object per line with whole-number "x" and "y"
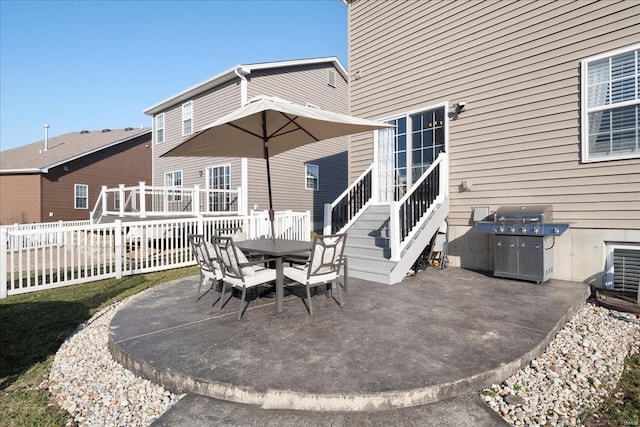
{"x": 414, "y": 353}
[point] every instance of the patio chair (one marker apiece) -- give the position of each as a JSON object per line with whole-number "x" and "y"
{"x": 237, "y": 234}
{"x": 239, "y": 272}
{"x": 322, "y": 268}
{"x": 210, "y": 269}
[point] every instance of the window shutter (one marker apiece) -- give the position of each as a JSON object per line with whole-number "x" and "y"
{"x": 626, "y": 269}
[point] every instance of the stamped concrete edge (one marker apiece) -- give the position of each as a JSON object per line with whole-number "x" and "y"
{"x": 283, "y": 399}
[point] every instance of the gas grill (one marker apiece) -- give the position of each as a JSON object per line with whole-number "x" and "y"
{"x": 524, "y": 240}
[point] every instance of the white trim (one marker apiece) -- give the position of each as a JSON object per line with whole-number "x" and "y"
{"x": 75, "y": 196}
{"x": 585, "y": 110}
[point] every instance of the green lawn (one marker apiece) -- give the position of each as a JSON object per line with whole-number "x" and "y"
{"x": 32, "y": 328}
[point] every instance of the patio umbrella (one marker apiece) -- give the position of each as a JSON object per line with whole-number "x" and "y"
{"x": 267, "y": 126}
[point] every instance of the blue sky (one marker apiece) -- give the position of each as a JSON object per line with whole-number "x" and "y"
{"x": 95, "y": 64}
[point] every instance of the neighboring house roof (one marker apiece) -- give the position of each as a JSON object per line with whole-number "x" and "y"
{"x": 232, "y": 73}
{"x": 33, "y": 158}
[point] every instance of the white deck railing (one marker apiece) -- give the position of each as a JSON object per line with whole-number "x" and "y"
{"x": 89, "y": 252}
{"x": 144, "y": 201}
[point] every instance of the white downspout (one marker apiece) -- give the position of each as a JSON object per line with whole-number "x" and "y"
{"x": 244, "y": 162}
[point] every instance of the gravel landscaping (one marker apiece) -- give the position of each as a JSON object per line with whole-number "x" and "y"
{"x": 579, "y": 368}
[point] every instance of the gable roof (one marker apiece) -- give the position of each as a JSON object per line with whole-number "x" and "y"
{"x": 32, "y": 158}
{"x": 232, "y": 73}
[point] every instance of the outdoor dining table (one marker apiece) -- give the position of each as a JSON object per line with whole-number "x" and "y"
{"x": 278, "y": 249}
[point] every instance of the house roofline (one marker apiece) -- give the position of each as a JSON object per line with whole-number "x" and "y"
{"x": 230, "y": 74}
{"x": 45, "y": 169}
{"x": 95, "y": 150}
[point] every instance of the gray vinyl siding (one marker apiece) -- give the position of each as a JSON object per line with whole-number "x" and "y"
{"x": 302, "y": 84}
{"x": 207, "y": 107}
{"x": 517, "y": 64}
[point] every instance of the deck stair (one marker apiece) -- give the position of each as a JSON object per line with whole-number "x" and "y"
{"x": 368, "y": 248}
{"x": 385, "y": 239}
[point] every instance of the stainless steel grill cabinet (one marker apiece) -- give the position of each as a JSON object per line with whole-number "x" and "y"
{"x": 524, "y": 240}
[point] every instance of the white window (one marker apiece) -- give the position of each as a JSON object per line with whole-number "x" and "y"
{"x": 187, "y": 118}
{"x": 611, "y": 105}
{"x": 312, "y": 176}
{"x": 160, "y": 128}
{"x": 219, "y": 178}
{"x": 81, "y": 193}
{"x": 173, "y": 183}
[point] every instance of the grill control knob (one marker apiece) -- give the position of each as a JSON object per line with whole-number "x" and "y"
{"x": 523, "y": 229}
{"x": 534, "y": 230}
{"x": 555, "y": 230}
{"x": 512, "y": 229}
{"x": 500, "y": 229}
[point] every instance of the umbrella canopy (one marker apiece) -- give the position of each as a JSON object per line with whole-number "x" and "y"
{"x": 267, "y": 126}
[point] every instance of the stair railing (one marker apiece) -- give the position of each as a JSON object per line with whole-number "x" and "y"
{"x": 409, "y": 213}
{"x": 96, "y": 213}
{"x": 340, "y": 214}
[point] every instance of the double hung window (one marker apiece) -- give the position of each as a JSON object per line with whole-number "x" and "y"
{"x": 312, "y": 176}
{"x": 81, "y": 196}
{"x": 160, "y": 128}
{"x": 187, "y": 118}
{"x": 611, "y": 105}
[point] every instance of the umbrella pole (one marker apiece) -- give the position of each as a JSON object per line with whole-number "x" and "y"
{"x": 271, "y": 212}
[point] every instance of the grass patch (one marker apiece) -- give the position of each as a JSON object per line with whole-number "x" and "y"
{"x": 622, "y": 407}
{"x": 34, "y": 325}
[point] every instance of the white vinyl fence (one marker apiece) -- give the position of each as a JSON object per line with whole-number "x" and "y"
{"x": 34, "y": 257}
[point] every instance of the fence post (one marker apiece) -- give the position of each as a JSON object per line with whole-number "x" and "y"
{"x": 394, "y": 231}
{"x": 307, "y": 226}
{"x": 143, "y": 201}
{"x": 199, "y": 224}
{"x": 195, "y": 200}
{"x": 327, "y": 219}
{"x": 4, "y": 247}
{"x": 121, "y": 200}
{"x": 119, "y": 254}
{"x": 60, "y": 234}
